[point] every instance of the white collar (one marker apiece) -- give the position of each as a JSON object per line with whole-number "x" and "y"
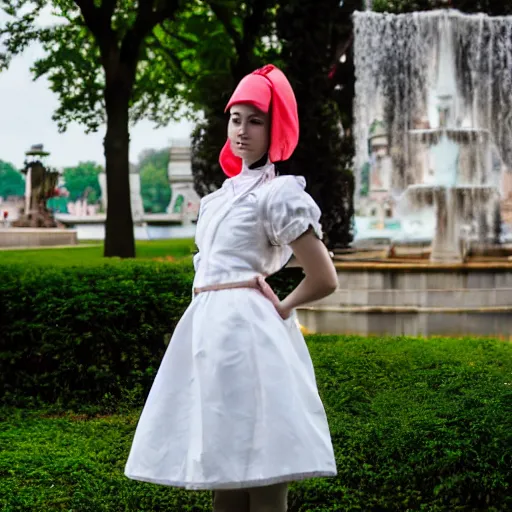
{"x": 266, "y": 172}
{"x": 250, "y": 179}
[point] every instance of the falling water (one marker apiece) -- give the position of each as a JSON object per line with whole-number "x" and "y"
{"x": 397, "y": 61}
{"x": 441, "y": 83}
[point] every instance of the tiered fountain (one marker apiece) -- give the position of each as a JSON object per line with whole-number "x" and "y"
{"x": 439, "y": 82}
{"x": 458, "y": 181}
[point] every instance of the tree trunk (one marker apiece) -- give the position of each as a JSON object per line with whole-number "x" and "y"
{"x": 119, "y": 236}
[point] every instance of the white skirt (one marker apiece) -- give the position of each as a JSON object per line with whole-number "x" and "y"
{"x": 234, "y": 403}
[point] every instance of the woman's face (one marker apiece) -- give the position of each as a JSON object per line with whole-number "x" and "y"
{"x": 248, "y": 132}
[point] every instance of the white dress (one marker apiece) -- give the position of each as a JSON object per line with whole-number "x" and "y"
{"x": 235, "y": 403}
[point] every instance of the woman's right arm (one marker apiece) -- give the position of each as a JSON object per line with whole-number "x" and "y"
{"x": 321, "y": 278}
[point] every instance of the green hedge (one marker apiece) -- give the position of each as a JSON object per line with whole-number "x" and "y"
{"x": 82, "y": 335}
{"x": 417, "y": 426}
{"x": 89, "y": 335}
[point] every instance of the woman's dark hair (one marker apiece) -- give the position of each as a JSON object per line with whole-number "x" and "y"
{"x": 283, "y": 168}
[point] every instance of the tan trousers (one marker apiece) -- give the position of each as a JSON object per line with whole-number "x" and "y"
{"x": 273, "y": 498}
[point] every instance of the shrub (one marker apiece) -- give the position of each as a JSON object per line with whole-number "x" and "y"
{"x": 89, "y": 335}
{"x": 417, "y": 425}
{"x": 80, "y": 335}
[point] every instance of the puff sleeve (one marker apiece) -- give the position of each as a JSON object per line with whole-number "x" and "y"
{"x": 288, "y": 211}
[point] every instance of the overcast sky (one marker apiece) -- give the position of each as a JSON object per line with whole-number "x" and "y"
{"x": 26, "y": 109}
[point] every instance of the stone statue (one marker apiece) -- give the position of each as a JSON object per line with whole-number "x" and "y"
{"x": 40, "y": 185}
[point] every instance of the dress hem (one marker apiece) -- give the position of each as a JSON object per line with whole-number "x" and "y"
{"x": 204, "y": 486}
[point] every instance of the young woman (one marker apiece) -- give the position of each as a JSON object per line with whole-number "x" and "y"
{"x": 234, "y": 406}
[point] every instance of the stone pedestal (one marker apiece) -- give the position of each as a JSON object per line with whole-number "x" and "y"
{"x": 184, "y": 199}
{"x": 34, "y": 237}
{"x": 447, "y": 244}
{"x": 416, "y": 299}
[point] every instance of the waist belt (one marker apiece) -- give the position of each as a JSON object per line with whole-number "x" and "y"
{"x": 251, "y": 283}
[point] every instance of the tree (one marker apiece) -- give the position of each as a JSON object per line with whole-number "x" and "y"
{"x": 154, "y": 180}
{"x": 246, "y": 40}
{"x": 12, "y": 182}
{"x": 323, "y": 155}
{"x": 82, "y": 181}
{"x": 117, "y": 36}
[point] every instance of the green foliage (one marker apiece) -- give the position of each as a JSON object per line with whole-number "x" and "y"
{"x": 12, "y": 182}
{"x": 58, "y": 204}
{"x": 74, "y": 463}
{"x": 154, "y": 180}
{"x": 91, "y": 333}
{"x": 78, "y": 335}
{"x": 323, "y": 157}
{"x": 182, "y": 60}
{"x": 73, "y": 58}
{"x": 82, "y": 181}
{"x": 417, "y": 425}
{"x": 155, "y": 190}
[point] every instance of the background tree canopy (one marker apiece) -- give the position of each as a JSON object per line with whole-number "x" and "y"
{"x": 12, "y": 182}
{"x": 82, "y": 182}
{"x": 154, "y": 181}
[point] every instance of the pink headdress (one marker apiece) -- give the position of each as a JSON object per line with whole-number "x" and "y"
{"x": 266, "y": 89}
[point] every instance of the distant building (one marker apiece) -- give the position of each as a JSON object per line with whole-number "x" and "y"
{"x": 184, "y": 198}
{"x": 376, "y": 199}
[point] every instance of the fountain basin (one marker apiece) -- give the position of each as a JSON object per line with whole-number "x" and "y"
{"x": 432, "y": 136}
{"x": 416, "y": 299}
{"x": 453, "y": 207}
{"x": 37, "y": 237}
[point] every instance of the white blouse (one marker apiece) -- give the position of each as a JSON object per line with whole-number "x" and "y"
{"x": 245, "y": 228}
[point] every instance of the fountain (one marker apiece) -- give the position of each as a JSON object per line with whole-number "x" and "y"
{"x": 433, "y": 114}
{"x": 37, "y": 225}
{"x": 458, "y": 184}
{"x": 40, "y": 185}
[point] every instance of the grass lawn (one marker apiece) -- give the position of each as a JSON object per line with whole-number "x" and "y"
{"x": 92, "y": 255}
{"x": 417, "y": 425}
{"x": 72, "y": 463}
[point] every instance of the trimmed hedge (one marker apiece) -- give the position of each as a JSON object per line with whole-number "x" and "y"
{"x": 90, "y": 335}
{"x": 80, "y": 335}
{"x": 417, "y": 426}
